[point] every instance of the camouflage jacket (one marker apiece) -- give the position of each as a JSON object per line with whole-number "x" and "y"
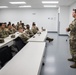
{"x": 72, "y": 27}
{"x": 24, "y": 37}
{"x": 4, "y": 33}
{"x": 11, "y": 31}
{"x": 29, "y": 32}
{"x": 34, "y": 30}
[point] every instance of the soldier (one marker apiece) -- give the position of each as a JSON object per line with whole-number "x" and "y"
{"x": 23, "y": 36}
{"x": 19, "y": 25}
{"x": 34, "y": 28}
{"x": 3, "y": 31}
{"x": 11, "y": 29}
{"x": 14, "y": 26}
{"x": 72, "y": 40}
{"x": 20, "y": 22}
{"x": 23, "y": 26}
{"x": 28, "y": 31}
{"x": 5, "y": 25}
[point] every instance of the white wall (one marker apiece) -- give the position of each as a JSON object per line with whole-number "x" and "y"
{"x": 48, "y": 18}
{"x": 73, "y": 6}
{"x": 64, "y": 19}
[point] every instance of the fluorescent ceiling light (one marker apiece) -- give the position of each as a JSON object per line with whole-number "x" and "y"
{"x": 50, "y": 6}
{"x": 27, "y": 6}
{"x": 3, "y": 6}
{"x": 52, "y": 2}
{"x": 17, "y": 2}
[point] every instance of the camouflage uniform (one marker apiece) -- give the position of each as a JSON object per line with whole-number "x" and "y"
{"x": 24, "y": 37}
{"x": 19, "y": 26}
{"x": 72, "y": 40}
{"x": 34, "y": 29}
{"x": 4, "y": 33}
{"x": 11, "y": 31}
{"x": 29, "y": 32}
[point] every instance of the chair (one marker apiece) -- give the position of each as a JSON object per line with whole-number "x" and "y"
{"x": 19, "y": 44}
{"x": 5, "y": 55}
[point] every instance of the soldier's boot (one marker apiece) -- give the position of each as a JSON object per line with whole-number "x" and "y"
{"x": 73, "y": 66}
{"x": 49, "y": 39}
{"x": 70, "y": 59}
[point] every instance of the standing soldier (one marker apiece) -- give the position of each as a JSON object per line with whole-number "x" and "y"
{"x": 72, "y": 40}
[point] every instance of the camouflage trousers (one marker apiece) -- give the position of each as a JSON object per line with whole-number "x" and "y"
{"x": 73, "y": 49}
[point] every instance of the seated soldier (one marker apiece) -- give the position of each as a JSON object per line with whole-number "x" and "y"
{"x": 19, "y": 25}
{"x": 20, "y": 22}
{"x": 14, "y": 26}
{"x": 5, "y": 24}
{"x": 23, "y": 36}
{"x": 23, "y": 26}
{"x": 11, "y": 29}
{"x": 34, "y": 28}
{"x": 9, "y": 22}
{"x": 28, "y": 31}
{"x": 3, "y": 31}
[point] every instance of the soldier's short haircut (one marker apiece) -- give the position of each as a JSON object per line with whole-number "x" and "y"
{"x": 27, "y": 26}
{"x": 9, "y": 24}
{"x": 33, "y": 24}
{"x": 74, "y": 10}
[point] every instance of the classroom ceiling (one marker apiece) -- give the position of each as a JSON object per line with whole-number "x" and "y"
{"x": 35, "y": 3}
